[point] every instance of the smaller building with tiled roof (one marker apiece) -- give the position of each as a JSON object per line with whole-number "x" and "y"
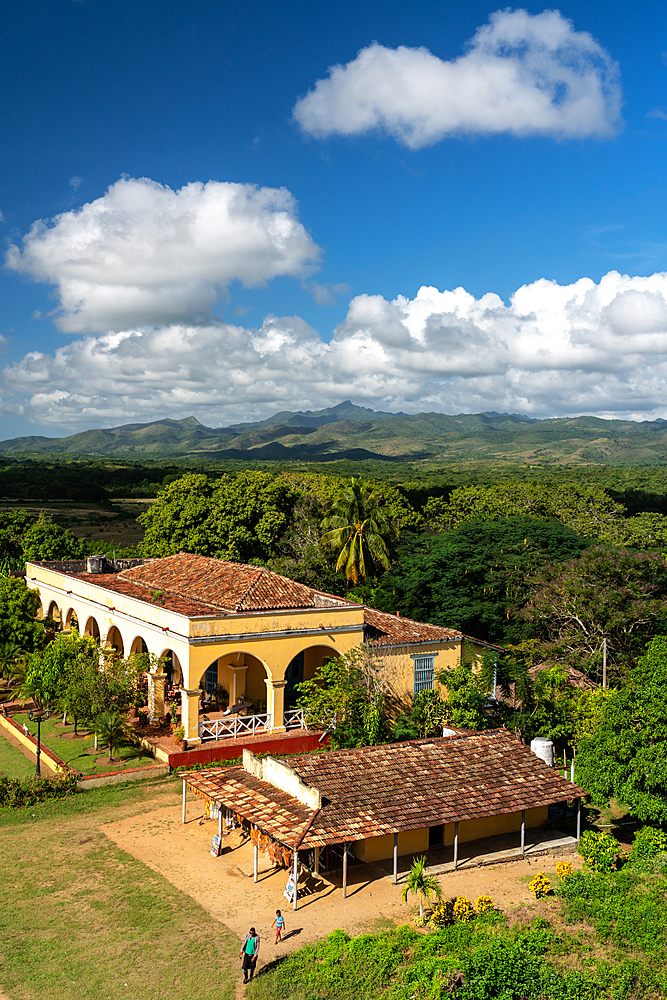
{"x": 468, "y": 785}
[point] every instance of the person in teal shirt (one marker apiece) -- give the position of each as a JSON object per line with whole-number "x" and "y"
{"x": 249, "y": 952}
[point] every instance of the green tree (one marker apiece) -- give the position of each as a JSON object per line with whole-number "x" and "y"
{"x": 426, "y": 717}
{"x": 606, "y": 593}
{"x": 626, "y": 757}
{"x": 111, "y": 727}
{"x": 587, "y": 510}
{"x": 46, "y": 540}
{"x": 13, "y": 526}
{"x": 19, "y": 606}
{"x": 420, "y": 883}
{"x": 360, "y": 531}
{"x": 473, "y": 577}
{"x": 645, "y": 531}
{"x": 234, "y": 517}
{"x": 347, "y": 697}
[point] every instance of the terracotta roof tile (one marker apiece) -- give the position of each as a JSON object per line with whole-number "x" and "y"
{"x": 227, "y": 586}
{"x": 371, "y": 791}
{"x": 388, "y": 630}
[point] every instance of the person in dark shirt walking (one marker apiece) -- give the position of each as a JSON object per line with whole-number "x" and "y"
{"x": 249, "y": 952}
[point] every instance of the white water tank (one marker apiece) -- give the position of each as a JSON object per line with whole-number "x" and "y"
{"x": 544, "y": 749}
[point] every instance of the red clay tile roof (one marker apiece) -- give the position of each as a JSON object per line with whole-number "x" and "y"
{"x": 227, "y": 586}
{"x": 172, "y": 602}
{"x": 388, "y": 630}
{"x": 372, "y": 791}
{"x": 272, "y": 810}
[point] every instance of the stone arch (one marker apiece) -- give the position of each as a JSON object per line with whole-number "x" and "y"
{"x": 71, "y": 618}
{"x": 54, "y": 612}
{"x": 115, "y": 640}
{"x": 92, "y": 628}
{"x": 242, "y": 673}
{"x": 171, "y": 665}
{"x": 302, "y": 667}
{"x": 138, "y": 645}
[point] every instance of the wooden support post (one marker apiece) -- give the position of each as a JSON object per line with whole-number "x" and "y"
{"x": 220, "y": 825}
{"x": 456, "y": 845}
{"x": 317, "y": 860}
{"x": 395, "y": 859}
{"x": 578, "y": 820}
{"x": 523, "y": 833}
{"x": 344, "y": 871}
{"x": 185, "y": 792}
{"x": 296, "y": 879}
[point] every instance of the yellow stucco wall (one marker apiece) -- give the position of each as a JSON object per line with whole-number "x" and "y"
{"x": 381, "y": 848}
{"x": 417, "y": 841}
{"x": 491, "y": 826}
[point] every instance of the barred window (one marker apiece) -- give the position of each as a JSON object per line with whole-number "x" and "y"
{"x": 423, "y": 673}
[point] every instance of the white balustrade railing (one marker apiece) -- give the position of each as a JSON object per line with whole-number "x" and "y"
{"x": 238, "y": 725}
{"x": 294, "y": 719}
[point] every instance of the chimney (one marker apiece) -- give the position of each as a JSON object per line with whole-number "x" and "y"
{"x": 95, "y": 564}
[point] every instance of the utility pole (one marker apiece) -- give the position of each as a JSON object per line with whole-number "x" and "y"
{"x": 604, "y": 664}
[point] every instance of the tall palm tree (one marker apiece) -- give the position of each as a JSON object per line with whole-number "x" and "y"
{"x": 112, "y": 727}
{"x": 421, "y": 883}
{"x": 358, "y": 529}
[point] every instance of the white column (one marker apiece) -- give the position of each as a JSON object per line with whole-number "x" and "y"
{"x": 456, "y": 845}
{"x": 523, "y": 833}
{"x": 296, "y": 878}
{"x": 275, "y": 704}
{"x": 190, "y": 714}
{"x": 238, "y": 682}
{"x": 185, "y": 792}
{"x": 395, "y": 859}
{"x": 255, "y": 863}
{"x": 156, "y": 697}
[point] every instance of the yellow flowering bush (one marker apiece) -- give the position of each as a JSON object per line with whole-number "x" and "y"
{"x": 443, "y": 913}
{"x": 463, "y": 909}
{"x": 540, "y": 885}
{"x": 483, "y": 904}
{"x": 563, "y": 869}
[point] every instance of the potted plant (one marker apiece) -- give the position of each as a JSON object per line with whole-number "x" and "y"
{"x": 179, "y": 736}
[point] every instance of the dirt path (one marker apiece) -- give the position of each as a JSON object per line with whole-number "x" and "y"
{"x": 224, "y": 887}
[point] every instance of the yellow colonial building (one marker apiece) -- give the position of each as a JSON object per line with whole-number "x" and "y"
{"x": 244, "y": 628}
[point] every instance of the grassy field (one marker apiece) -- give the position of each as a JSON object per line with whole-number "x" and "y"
{"x": 82, "y": 920}
{"x": 79, "y": 752}
{"x": 12, "y": 762}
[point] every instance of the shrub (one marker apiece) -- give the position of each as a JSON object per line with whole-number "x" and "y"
{"x": 564, "y": 869}
{"x": 15, "y": 793}
{"x": 648, "y": 842}
{"x": 463, "y": 909}
{"x": 443, "y": 913}
{"x": 540, "y": 885}
{"x": 483, "y": 904}
{"x": 599, "y": 850}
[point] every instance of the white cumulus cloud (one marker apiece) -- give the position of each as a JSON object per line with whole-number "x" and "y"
{"x": 522, "y": 74}
{"x": 587, "y": 347}
{"x": 146, "y": 254}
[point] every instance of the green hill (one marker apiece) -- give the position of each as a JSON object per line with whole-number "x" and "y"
{"x": 356, "y": 433}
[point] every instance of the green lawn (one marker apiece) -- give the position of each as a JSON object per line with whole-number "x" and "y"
{"x": 82, "y": 920}
{"x": 79, "y": 752}
{"x": 12, "y": 762}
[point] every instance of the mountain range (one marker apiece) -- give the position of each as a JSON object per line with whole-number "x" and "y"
{"x": 347, "y": 431}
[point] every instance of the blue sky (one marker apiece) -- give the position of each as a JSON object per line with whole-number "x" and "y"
{"x": 435, "y": 187}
